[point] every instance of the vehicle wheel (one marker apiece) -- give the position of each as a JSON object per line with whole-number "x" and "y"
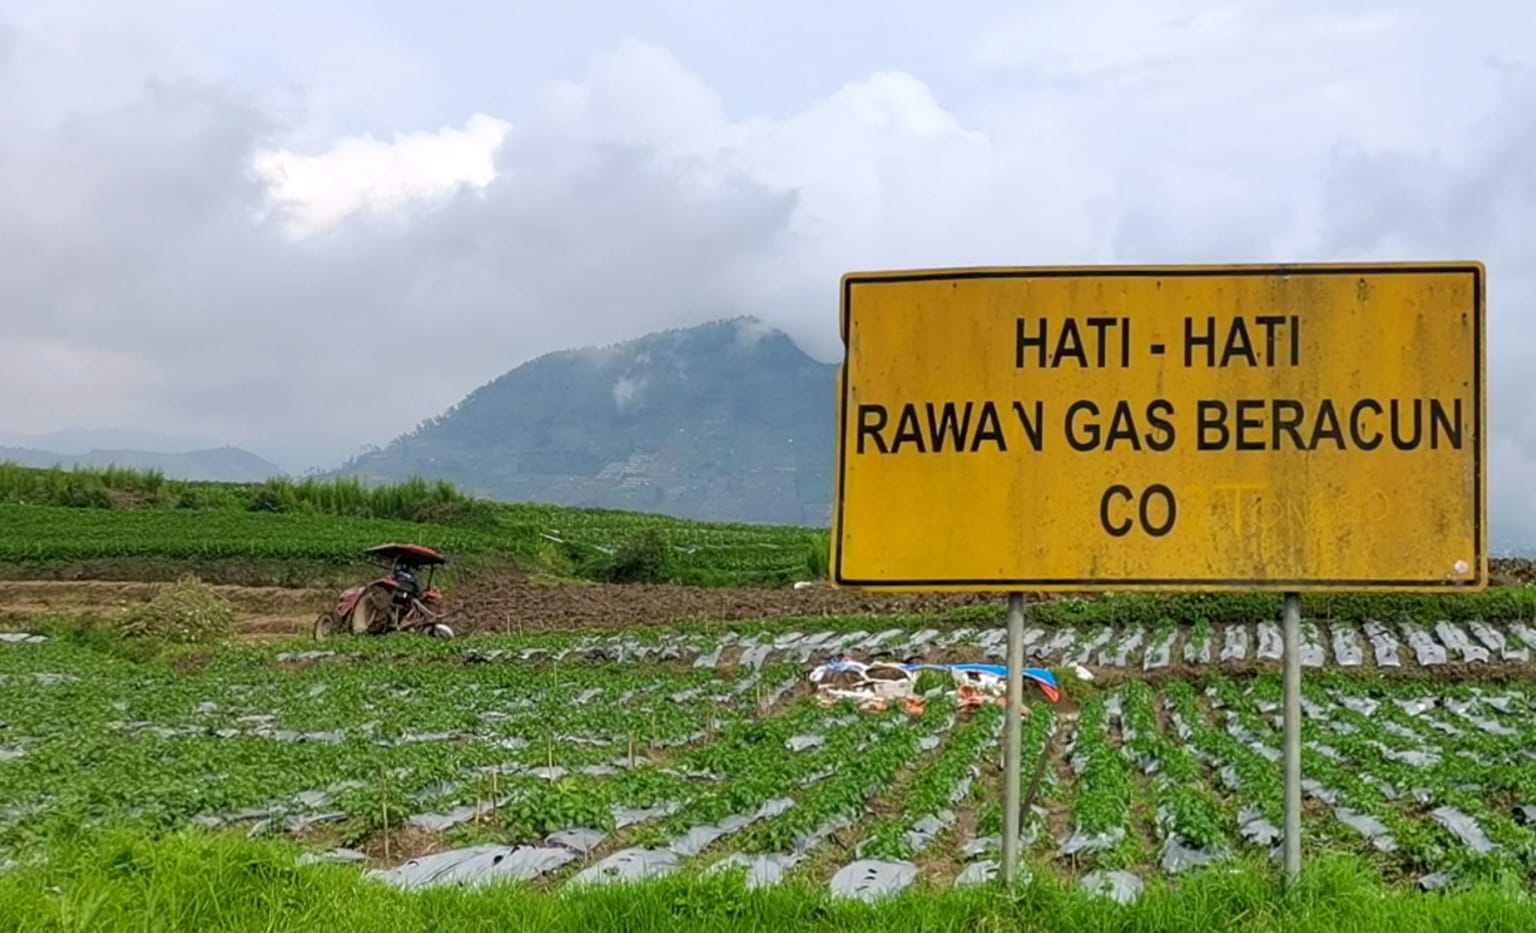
{"x": 374, "y": 613}
{"x": 439, "y": 630}
{"x": 325, "y": 626}
{"x": 361, "y": 615}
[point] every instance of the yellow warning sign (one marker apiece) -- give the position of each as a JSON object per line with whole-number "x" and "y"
{"x": 1293, "y": 427}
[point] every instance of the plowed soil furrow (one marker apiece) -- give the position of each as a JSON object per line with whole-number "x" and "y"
{"x": 509, "y": 604}
{"x": 67, "y": 595}
{"x": 512, "y": 606}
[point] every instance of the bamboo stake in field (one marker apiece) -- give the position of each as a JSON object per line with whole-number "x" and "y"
{"x": 1034, "y": 781}
{"x": 496, "y": 795}
{"x": 479, "y": 810}
{"x": 384, "y": 807}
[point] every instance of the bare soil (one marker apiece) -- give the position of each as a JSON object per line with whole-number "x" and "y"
{"x": 400, "y": 845}
{"x": 503, "y": 603}
{"x": 507, "y": 604}
{"x": 503, "y": 600}
{"x": 22, "y": 596}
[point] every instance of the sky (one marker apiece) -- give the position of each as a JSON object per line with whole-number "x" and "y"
{"x": 304, "y": 228}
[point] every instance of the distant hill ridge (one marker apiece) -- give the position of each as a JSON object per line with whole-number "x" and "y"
{"x": 726, "y": 421}
{"x": 216, "y": 464}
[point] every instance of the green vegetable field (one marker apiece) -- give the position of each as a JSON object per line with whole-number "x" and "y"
{"x": 120, "y": 523}
{"x": 584, "y": 760}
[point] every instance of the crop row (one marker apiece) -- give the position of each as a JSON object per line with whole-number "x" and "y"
{"x": 1189, "y": 814}
{"x": 44, "y": 533}
{"x": 690, "y": 767}
{"x": 415, "y": 500}
{"x": 865, "y": 637}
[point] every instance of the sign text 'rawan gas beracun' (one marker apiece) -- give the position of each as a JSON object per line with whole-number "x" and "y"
{"x": 1275, "y": 427}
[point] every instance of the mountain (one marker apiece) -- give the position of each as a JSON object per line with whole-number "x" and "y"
{"x": 220, "y": 464}
{"x": 727, "y": 421}
{"x": 83, "y": 440}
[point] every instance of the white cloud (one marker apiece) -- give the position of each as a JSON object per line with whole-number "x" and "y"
{"x": 625, "y": 390}
{"x": 751, "y": 330}
{"x": 635, "y": 94}
{"x": 316, "y": 192}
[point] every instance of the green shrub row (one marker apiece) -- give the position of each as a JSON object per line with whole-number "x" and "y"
{"x": 415, "y": 500}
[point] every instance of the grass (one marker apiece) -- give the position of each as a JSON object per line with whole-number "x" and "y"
{"x": 119, "y": 878}
{"x": 124, "y": 488}
{"x": 415, "y": 500}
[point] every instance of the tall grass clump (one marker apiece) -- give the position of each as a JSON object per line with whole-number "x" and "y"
{"x": 74, "y": 488}
{"x": 641, "y": 558}
{"x": 112, "y": 487}
{"x": 414, "y": 500}
{"x": 818, "y": 559}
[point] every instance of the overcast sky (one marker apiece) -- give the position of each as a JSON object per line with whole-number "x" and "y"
{"x": 233, "y": 221}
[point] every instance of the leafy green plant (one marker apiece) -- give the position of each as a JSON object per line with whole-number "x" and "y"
{"x": 1102, "y": 800}
{"x": 818, "y": 557}
{"x": 938, "y": 786}
{"x": 642, "y": 558}
{"x": 1193, "y": 813}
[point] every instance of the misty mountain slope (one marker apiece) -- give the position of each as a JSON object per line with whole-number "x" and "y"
{"x": 728, "y": 421}
{"x": 218, "y": 464}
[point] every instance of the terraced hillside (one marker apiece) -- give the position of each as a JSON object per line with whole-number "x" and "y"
{"x": 136, "y": 525}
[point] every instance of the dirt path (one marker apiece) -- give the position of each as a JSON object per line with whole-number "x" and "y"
{"x": 498, "y": 604}
{"x": 97, "y": 594}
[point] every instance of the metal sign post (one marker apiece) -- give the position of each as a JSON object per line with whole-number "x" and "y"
{"x": 1291, "y": 640}
{"x": 1012, "y": 729}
